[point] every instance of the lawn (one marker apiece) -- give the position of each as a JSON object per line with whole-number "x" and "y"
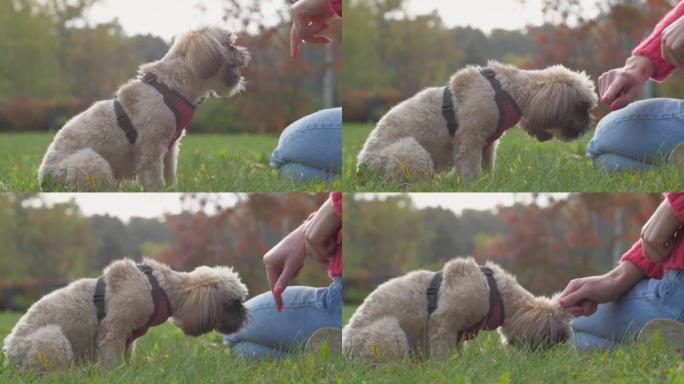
{"x": 207, "y": 163}
{"x": 165, "y": 355}
{"x": 523, "y": 165}
{"x": 485, "y": 360}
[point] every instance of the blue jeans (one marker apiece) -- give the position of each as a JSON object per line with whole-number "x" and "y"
{"x": 272, "y": 334}
{"x": 638, "y": 136}
{"x": 619, "y": 322}
{"x": 311, "y": 147}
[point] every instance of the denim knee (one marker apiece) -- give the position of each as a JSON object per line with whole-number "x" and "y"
{"x": 314, "y": 141}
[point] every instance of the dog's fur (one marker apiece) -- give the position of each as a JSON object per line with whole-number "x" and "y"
{"x": 412, "y": 139}
{"x": 62, "y": 328}
{"x": 92, "y": 152}
{"x": 391, "y": 322}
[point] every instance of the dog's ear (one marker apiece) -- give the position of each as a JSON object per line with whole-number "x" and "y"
{"x": 548, "y": 107}
{"x": 542, "y": 324}
{"x": 202, "y": 52}
{"x": 197, "y": 314}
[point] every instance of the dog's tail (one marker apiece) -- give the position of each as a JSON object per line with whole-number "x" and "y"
{"x": 84, "y": 170}
{"x": 47, "y": 348}
{"x": 405, "y": 159}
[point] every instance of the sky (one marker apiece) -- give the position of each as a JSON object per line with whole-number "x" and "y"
{"x": 489, "y": 14}
{"x": 457, "y": 202}
{"x": 165, "y": 18}
{"x": 126, "y": 205}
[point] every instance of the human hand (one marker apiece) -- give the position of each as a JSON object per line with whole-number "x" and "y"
{"x": 672, "y": 43}
{"x": 284, "y": 262}
{"x": 582, "y": 296}
{"x": 618, "y": 87}
{"x": 309, "y": 19}
{"x": 658, "y": 234}
{"x": 321, "y": 233}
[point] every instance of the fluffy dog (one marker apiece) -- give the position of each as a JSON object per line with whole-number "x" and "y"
{"x": 95, "y": 149}
{"x": 63, "y": 328}
{"x": 414, "y": 139}
{"x": 394, "y": 322}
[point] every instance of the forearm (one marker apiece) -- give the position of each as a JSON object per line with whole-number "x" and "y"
{"x": 625, "y": 275}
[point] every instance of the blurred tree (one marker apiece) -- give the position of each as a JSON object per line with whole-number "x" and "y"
{"x": 239, "y": 235}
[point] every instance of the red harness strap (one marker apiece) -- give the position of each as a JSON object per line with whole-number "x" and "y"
{"x": 495, "y": 316}
{"x": 162, "y": 306}
{"x": 182, "y": 110}
{"x": 509, "y": 112}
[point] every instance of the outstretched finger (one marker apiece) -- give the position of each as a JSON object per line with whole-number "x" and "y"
{"x": 573, "y": 298}
{"x": 614, "y": 89}
{"x": 281, "y": 284}
{"x": 294, "y": 42}
{"x": 624, "y": 99}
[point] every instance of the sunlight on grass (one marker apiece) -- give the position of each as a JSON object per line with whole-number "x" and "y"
{"x": 207, "y": 163}
{"x": 523, "y": 165}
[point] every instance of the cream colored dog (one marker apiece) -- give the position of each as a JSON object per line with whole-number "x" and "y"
{"x": 393, "y": 322}
{"x": 93, "y": 151}
{"x": 63, "y": 328}
{"x": 413, "y": 139}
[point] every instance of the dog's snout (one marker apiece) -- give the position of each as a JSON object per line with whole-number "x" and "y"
{"x": 233, "y": 317}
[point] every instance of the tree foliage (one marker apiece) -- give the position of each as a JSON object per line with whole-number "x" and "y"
{"x": 55, "y": 64}
{"x": 544, "y": 242}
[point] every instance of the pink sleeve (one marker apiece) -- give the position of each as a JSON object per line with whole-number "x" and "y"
{"x": 650, "y": 47}
{"x": 336, "y": 198}
{"x": 336, "y": 6}
{"x": 676, "y": 200}
{"x": 636, "y": 256}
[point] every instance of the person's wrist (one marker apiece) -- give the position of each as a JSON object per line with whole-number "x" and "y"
{"x": 641, "y": 66}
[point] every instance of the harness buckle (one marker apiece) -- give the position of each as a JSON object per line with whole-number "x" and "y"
{"x": 488, "y": 72}
{"x": 149, "y": 78}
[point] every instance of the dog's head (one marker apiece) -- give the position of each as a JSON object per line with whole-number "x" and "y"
{"x": 560, "y": 105}
{"x": 212, "y": 57}
{"x": 211, "y": 299}
{"x": 540, "y": 323}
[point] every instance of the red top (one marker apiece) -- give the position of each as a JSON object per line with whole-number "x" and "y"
{"x": 650, "y": 47}
{"x": 336, "y": 6}
{"x": 676, "y": 260}
{"x": 335, "y": 266}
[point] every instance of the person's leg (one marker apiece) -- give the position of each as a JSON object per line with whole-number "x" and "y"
{"x": 639, "y": 135}
{"x": 618, "y": 322}
{"x": 273, "y": 334}
{"x": 311, "y": 147}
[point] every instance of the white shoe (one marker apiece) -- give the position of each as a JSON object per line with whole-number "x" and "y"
{"x": 677, "y": 155}
{"x": 671, "y": 332}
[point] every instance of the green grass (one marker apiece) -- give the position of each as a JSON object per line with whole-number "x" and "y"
{"x": 165, "y": 355}
{"x": 207, "y": 163}
{"x": 522, "y": 165}
{"x": 486, "y": 360}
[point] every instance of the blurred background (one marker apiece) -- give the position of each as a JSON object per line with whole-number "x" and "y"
{"x": 394, "y": 48}
{"x": 544, "y": 239}
{"x": 50, "y": 239}
{"x": 59, "y": 56}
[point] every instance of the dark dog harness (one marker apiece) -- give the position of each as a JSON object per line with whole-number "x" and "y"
{"x": 162, "y": 306}
{"x": 182, "y": 109}
{"x": 495, "y": 316}
{"x": 509, "y": 112}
